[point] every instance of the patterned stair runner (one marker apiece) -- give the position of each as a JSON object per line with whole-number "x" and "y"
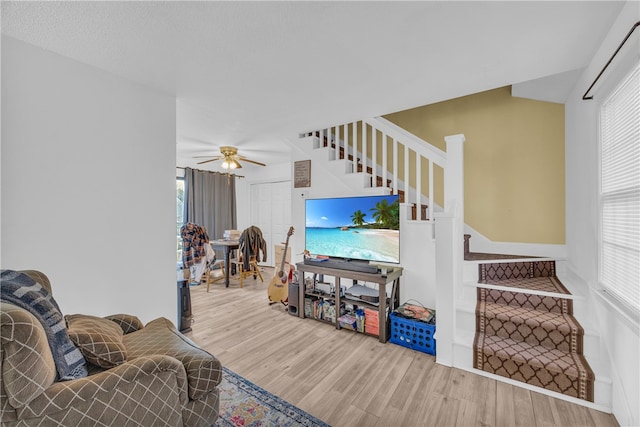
{"x": 528, "y": 337}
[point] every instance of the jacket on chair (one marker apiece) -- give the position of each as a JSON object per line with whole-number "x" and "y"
{"x": 251, "y": 243}
{"x": 194, "y": 239}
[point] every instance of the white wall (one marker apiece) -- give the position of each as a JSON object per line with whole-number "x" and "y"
{"x": 619, "y": 336}
{"x": 88, "y": 184}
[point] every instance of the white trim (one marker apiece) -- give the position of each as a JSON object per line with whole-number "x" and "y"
{"x": 631, "y": 318}
{"x": 480, "y": 243}
{"x": 527, "y": 291}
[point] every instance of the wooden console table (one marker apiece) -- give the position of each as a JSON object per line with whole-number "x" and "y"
{"x": 382, "y": 281}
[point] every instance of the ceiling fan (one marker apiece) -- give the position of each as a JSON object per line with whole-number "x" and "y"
{"x": 229, "y": 158}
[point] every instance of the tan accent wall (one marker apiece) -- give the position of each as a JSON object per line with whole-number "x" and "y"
{"x": 514, "y": 161}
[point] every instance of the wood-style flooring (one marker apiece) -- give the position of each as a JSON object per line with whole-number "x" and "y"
{"x": 349, "y": 379}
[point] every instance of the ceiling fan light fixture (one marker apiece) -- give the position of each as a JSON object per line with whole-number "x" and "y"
{"x": 230, "y": 158}
{"x": 230, "y": 163}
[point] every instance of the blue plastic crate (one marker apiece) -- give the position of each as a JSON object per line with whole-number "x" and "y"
{"x": 413, "y": 334}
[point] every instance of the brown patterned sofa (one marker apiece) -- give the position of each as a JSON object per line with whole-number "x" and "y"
{"x": 137, "y": 375}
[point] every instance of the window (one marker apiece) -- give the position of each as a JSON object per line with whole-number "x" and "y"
{"x": 619, "y": 268}
{"x": 179, "y": 215}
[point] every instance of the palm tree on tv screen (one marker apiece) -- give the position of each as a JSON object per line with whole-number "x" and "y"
{"x": 385, "y": 214}
{"x": 358, "y": 218}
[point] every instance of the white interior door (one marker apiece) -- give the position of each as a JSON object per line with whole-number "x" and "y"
{"x": 271, "y": 211}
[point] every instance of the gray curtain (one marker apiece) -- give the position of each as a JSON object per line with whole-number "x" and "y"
{"x": 210, "y": 201}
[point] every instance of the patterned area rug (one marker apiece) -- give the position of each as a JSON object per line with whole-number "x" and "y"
{"x": 243, "y": 403}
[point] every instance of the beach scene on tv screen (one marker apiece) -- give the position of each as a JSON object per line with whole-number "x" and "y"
{"x": 359, "y": 228}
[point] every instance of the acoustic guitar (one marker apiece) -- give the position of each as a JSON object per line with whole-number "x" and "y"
{"x": 279, "y": 286}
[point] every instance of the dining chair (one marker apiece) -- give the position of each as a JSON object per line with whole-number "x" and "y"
{"x": 208, "y": 276}
{"x": 242, "y": 273}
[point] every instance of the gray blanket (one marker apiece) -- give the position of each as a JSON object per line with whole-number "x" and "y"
{"x": 21, "y": 290}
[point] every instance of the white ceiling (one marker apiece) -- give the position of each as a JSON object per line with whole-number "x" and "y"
{"x": 255, "y": 74}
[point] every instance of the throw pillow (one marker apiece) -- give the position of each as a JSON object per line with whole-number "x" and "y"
{"x": 23, "y": 291}
{"x": 99, "y": 340}
{"x": 127, "y": 322}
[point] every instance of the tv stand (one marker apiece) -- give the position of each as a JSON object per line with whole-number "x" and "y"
{"x": 343, "y": 264}
{"x": 392, "y": 276}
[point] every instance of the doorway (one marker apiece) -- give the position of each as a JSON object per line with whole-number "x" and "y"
{"x": 271, "y": 211}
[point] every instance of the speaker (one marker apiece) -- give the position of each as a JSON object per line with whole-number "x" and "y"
{"x": 293, "y": 299}
{"x": 184, "y": 306}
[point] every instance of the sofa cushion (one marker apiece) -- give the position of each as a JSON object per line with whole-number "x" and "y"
{"x": 99, "y": 340}
{"x": 27, "y": 364}
{"x": 160, "y": 336}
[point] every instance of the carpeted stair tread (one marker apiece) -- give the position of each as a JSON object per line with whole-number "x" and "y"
{"x": 526, "y": 299}
{"x": 544, "y": 284}
{"x": 488, "y": 272}
{"x": 534, "y": 355}
{"x": 552, "y": 369}
{"x": 549, "y": 329}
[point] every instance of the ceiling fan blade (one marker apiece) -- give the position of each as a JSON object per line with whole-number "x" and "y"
{"x": 207, "y": 161}
{"x": 244, "y": 159}
{"x": 208, "y": 157}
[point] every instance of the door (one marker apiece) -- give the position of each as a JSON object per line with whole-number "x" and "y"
{"x": 271, "y": 211}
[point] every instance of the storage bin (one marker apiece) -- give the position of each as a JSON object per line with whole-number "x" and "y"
{"x": 413, "y": 334}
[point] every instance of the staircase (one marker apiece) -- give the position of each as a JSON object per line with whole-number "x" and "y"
{"x": 505, "y": 316}
{"x": 525, "y": 329}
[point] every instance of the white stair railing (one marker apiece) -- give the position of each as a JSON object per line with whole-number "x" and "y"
{"x": 394, "y": 157}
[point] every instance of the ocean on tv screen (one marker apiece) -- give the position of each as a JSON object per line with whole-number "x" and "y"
{"x": 354, "y": 243}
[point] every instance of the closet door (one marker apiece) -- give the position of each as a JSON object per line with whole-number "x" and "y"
{"x": 271, "y": 211}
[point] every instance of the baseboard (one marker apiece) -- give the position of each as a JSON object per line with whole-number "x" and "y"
{"x": 480, "y": 243}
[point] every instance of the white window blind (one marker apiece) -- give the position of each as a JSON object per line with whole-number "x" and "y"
{"x": 620, "y": 192}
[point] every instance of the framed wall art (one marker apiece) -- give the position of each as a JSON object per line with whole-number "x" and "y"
{"x": 302, "y": 174}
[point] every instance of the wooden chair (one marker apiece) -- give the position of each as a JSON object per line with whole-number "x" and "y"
{"x": 254, "y": 269}
{"x": 207, "y": 276}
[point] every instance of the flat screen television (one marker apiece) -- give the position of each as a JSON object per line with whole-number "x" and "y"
{"x": 354, "y": 228}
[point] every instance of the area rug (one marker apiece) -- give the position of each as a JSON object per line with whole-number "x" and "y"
{"x": 242, "y": 403}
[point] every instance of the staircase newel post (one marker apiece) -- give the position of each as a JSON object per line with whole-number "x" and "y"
{"x": 449, "y": 250}
{"x": 454, "y": 203}
{"x": 454, "y": 175}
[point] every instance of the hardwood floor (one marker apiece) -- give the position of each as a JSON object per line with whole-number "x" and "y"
{"x": 349, "y": 379}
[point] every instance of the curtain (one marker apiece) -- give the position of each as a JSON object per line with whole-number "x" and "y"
{"x": 210, "y": 201}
